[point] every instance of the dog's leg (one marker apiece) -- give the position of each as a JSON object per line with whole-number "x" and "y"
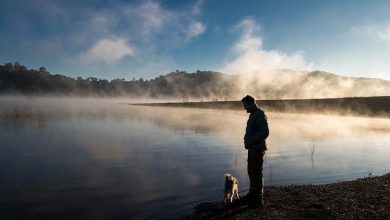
{"x": 235, "y": 189}
{"x": 236, "y": 193}
{"x": 228, "y": 197}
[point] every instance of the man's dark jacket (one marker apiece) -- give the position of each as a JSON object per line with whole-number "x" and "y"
{"x": 256, "y": 131}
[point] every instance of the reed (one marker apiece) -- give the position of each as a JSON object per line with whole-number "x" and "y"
{"x": 18, "y": 112}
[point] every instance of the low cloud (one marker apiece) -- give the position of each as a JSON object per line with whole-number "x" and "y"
{"x": 377, "y": 31}
{"x": 273, "y": 74}
{"x": 250, "y": 56}
{"x": 108, "y": 51}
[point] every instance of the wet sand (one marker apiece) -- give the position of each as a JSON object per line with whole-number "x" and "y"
{"x": 365, "y": 198}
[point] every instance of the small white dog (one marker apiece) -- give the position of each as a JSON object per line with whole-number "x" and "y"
{"x": 231, "y": 189}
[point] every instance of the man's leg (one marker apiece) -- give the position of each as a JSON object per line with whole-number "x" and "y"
{"x": 255, "y": 172}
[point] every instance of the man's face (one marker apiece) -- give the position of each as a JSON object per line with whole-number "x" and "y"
{"x": 246, "y": 106}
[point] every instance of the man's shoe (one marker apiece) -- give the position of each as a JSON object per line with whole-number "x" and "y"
{"x": 256, "y": 203}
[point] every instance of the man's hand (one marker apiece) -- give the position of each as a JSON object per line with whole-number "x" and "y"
{"x": 246, "y": 144}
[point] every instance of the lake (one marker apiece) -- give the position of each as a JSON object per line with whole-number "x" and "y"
{"x": 63, "y": 158}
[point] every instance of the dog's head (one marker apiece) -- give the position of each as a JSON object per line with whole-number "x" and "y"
{"x": 230, "y": 181}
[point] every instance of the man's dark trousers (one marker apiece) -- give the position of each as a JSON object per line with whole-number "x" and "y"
{"x": 255, "y": 172}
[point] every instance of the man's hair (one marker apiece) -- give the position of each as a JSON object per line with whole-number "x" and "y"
{"x": 248, "y": 99}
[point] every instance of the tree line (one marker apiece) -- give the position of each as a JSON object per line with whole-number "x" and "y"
{"x": 208, "y": 85}
{"x": 18, "y": 79}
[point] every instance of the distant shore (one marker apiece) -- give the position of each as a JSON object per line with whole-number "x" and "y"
{"x": 365, "y": 198}
{"x": 378, "y": 106}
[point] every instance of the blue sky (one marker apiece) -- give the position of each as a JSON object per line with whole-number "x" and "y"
{"x": 126, "y": 39}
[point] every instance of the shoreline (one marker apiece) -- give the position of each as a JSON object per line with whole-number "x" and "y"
{"x": 377, "y": 106}
{"x": 363, "y": 198}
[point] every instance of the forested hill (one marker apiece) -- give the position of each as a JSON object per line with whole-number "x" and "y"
{"x": 18, "y": 79}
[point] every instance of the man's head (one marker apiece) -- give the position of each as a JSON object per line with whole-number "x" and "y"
{"x": 249, "y": 103}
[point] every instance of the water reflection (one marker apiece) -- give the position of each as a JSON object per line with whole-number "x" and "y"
{"x": 101, "y": 160}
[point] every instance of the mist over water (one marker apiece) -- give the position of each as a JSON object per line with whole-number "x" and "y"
{"x": 89, "y": 158}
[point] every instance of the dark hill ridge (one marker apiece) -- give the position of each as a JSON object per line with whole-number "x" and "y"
{"x": 201, "y": 85}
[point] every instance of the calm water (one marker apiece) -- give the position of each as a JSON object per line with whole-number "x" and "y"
{"x": 83, "y": 159}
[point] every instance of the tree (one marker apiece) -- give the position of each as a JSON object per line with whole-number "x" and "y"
{"x": 42, "y": 70}
{"x": 9, "y": 67}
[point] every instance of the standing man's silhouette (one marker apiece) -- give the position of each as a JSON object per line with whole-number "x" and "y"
{"x": 255, "y": 142}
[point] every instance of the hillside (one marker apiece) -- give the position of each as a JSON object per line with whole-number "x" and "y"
{"x": 201, "y": 85}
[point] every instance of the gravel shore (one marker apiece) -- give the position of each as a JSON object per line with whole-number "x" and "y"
{"x": 365, "y": 198}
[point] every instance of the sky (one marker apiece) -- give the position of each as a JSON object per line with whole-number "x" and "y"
{"x": 132, "y": 39}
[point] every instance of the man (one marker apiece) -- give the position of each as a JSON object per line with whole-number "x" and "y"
{"x": 255, "y": 142}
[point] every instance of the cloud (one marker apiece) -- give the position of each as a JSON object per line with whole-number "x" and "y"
{"x": 250, "y": 57}
{"x": 151, "y": 28}
{"x": 129, "y": 34}
{"x": 197, "y": 8}
{"x": 149, "y": 21}
{"x": 376, "y": 31}
{"x": 147, "y": 18}
{"x": 108, "y": 51}
{"x": 153, "y": 21}
{"x": 196, "y": 28}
